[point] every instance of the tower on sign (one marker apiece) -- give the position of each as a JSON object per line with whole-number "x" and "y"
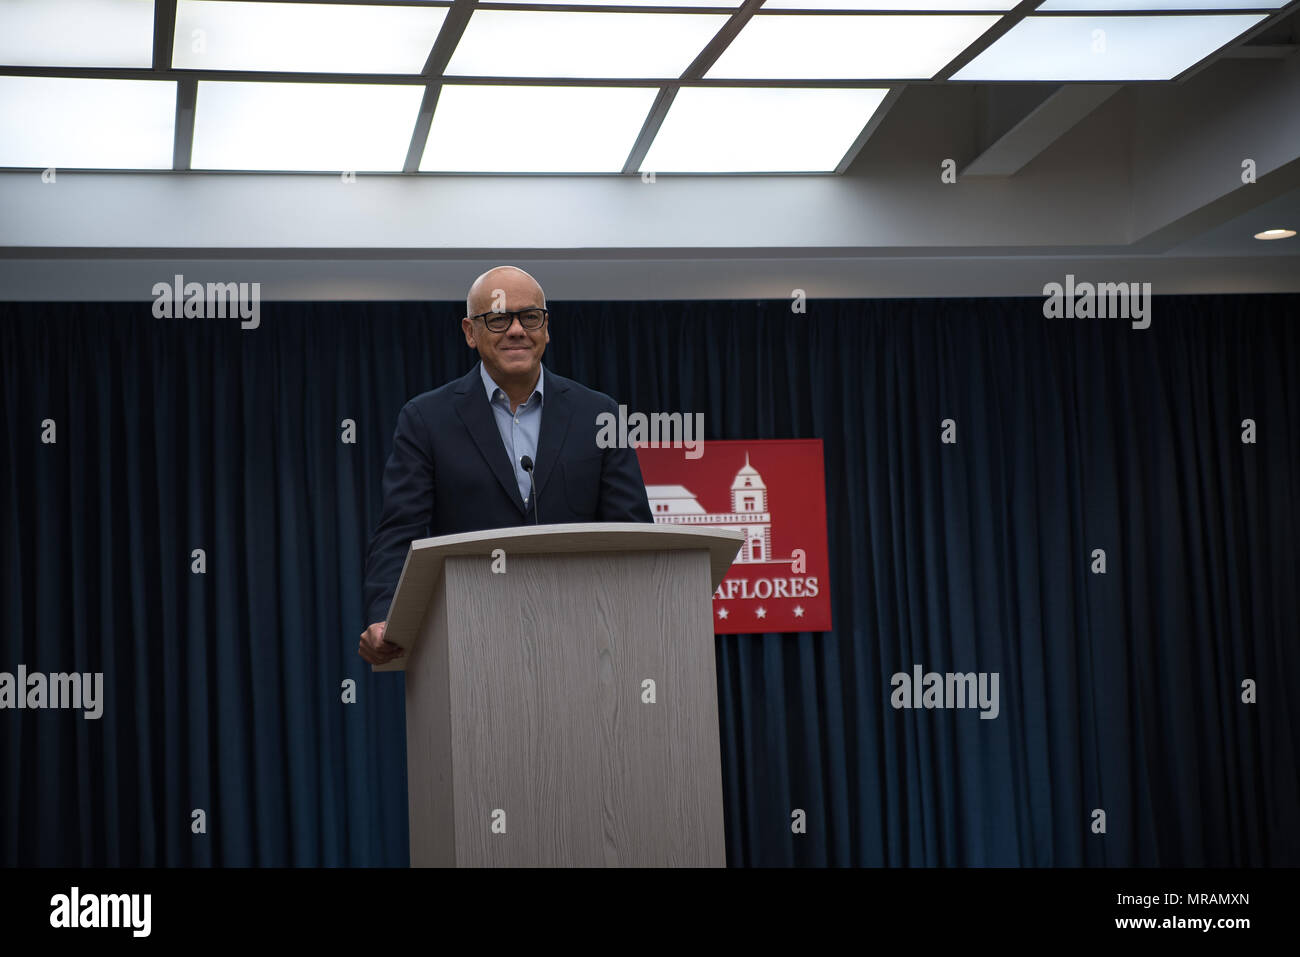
{"x": 677, "y": 505}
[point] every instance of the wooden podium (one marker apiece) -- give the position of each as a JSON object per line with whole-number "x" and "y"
{"x": 561, "y": 695}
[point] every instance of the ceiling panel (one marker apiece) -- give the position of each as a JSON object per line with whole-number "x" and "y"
{"x": 847, "y": 46}
{"x": 303, "y": 126}
{"x": 100, "y": 33}
{"x": 753, "y": 130}
{"x": 537, "y": 43}
{"x": 304, "y": 37}
{"x": 1114, "y": 49}
{"x": 534, "y": 129}
{"x": 86, "y": 123}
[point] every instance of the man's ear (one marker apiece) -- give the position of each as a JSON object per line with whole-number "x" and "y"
{"x": 468, "y": 328}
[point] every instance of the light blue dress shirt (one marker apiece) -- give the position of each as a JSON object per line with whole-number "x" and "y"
{"x": 520, "y": 430}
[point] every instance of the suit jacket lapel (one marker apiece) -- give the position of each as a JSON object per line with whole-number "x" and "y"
{"x": 473, "y": 408}
{"x": 556, "y": 411}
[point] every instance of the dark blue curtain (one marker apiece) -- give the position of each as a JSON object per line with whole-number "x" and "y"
{"x": 1120, "y": 692}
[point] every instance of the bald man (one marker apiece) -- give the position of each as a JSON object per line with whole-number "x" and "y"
{"x": 510, "y": 443}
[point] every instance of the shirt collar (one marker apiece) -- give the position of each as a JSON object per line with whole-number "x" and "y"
{"x": 490, "y": 386}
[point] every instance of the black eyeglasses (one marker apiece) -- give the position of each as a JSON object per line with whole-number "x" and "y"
{"x": 501, "y": 321}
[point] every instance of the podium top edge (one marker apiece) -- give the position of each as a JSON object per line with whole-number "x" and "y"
{"x": 721, "y": 543}
{"x": 637, "y": 534}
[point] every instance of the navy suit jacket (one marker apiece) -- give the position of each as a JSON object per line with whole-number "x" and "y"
{"x": 449, "y": 472}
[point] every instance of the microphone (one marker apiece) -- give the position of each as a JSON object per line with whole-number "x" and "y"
{"x": 527, "y": 463}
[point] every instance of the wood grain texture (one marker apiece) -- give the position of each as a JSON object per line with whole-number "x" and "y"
{"x": 543, "y": 675}
{"x": 429, "y": 762}
{"x": 661, "y": 778}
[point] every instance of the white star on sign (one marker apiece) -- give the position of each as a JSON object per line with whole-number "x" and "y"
{"x": 798, "y": 611}
{"x": 722, "y": 613}
{"x": 762, "y": 612}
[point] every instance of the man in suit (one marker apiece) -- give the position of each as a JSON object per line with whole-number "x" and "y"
{"x": 481, "y": 451}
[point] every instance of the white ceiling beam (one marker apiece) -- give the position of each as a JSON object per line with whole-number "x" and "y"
{"x": 1039, "y": 129}
{"x": 571, "y": 278}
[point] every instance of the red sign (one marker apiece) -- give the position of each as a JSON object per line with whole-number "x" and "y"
{"x": 775, "y": 492}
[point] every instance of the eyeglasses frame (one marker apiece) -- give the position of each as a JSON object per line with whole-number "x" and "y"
{"x": 516, "y": 314}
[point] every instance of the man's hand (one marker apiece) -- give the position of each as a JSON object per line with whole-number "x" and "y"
{"x": 374, "y": 648}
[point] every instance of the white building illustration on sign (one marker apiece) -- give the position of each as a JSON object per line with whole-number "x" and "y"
{"x": 676, "y": 505}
